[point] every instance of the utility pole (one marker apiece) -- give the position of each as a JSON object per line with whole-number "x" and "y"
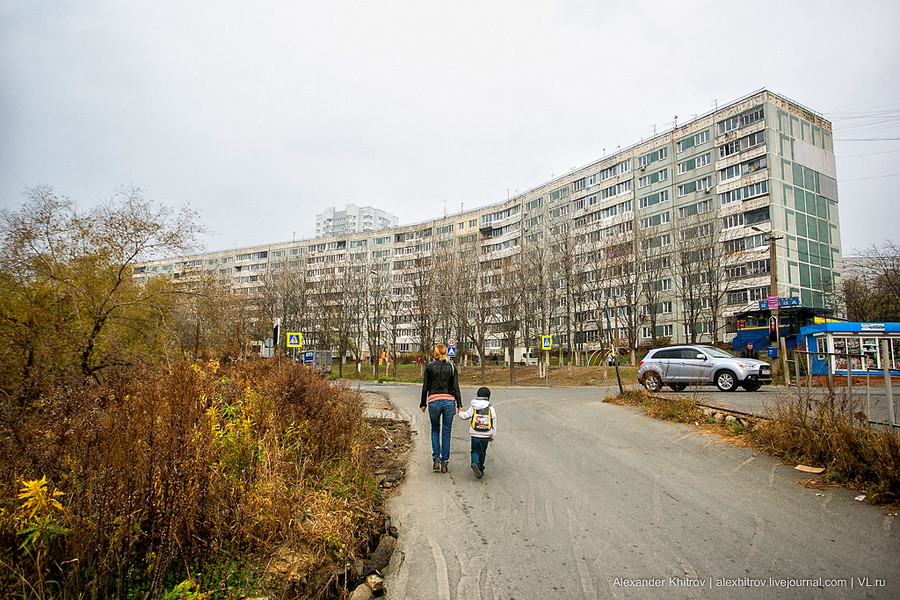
{"x": 773, "y": 292}
{"x": 773, "y": 278}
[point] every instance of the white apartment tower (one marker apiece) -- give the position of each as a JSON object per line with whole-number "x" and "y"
{"x": 353, "y": 219}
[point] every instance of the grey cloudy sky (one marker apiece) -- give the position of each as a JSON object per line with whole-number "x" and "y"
{"x": 262, "y": 114}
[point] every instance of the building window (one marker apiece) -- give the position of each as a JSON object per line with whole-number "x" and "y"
{"x": 558, "y": 194}
{"x": 646, "y": 159}
{"x": 653, "y": 178}
{"x": 729, "y": 124}
{"x": 694, "y": 140}
{"x": 654, "y": 220}
{"x": 760, "y": 188}
{"x": 661, "y": 196}
{"x": 703, "y": 160}
{"x": 732, "y": 221}
{"x": 752, "y": 116}
{"x": 731, "y": 172}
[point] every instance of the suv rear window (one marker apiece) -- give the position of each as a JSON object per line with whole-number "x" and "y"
{"x": 668, "y": 353}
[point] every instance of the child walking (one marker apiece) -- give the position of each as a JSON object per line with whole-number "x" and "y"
{"x": 482, "y": 429}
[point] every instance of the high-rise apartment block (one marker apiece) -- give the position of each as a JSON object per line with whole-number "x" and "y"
{"x": 664, "y": 240}
{"x": 353, "y": 219}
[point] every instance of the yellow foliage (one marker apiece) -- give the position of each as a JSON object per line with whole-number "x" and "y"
{"x": 38, "y": 499}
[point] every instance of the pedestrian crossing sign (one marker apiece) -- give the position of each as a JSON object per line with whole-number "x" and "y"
{"x": 294, "y": 340}
{"x": 546, "y": 342}
{"x": 451, "y": 351}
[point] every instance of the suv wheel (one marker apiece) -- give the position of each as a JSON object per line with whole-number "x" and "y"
{"x": 725, "y": 381}
{"x": 652, "y": 382}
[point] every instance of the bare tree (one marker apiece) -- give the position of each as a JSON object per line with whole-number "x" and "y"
{"x": 325, "y": 304}
{"x": 717, "y": 265}
{"x": 285, "y": 295}
{"x": 375, "y": 308}
{"x": 509, "y": 289}
{"x": 444, "y": 268}
{"x": 346, "y": 303}
{"x": 655, "y": 263}
{"x": 881, "y": 273}
{"x": 860, "y": 301}
{"x": 463, "y": 284}
{"x": 689, "y": 280}
{"x": 564, "y": 259}
{"x": 480, "y": 310}
{"x": 206, "y": 315}
{"x": 536, "y": 261}
{"x": 624, "y": 289}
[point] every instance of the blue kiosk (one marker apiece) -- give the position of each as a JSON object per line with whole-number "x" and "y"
{"x": 862, "y": 341}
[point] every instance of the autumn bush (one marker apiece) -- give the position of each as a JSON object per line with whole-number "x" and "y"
{"x": 184, "y": 475}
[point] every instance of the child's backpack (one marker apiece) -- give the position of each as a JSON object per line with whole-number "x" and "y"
{"x": 481, "y": 420}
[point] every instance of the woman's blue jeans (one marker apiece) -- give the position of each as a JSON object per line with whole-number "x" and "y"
{"x": 440, "y": 432}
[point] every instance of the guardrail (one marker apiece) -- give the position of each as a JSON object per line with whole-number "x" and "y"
{"x": 848, "y": 357}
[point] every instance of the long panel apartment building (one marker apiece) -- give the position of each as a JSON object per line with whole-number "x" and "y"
{"x": 665, "y": 240}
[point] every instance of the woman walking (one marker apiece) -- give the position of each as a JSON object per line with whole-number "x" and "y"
{"x": 440, "y": 394}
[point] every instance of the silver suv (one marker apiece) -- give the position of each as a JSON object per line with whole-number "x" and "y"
{"x": 681, "y": 366}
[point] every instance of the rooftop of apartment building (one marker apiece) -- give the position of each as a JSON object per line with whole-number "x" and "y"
{"x": 473, "y": 219}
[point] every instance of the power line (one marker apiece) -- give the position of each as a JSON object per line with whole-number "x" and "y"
{"x": 873, "y": 177}
{"x": 867, "y": 140}
{"x": 867, "y": 154}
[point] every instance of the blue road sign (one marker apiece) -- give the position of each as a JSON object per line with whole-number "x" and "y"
{"x": 451, "y": 351}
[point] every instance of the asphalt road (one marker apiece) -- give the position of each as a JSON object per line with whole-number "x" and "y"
{"x": 873, "y": 402}
{"x": 582, "y": 499}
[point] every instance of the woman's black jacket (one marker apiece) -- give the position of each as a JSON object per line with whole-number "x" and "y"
{"x": 440, "y": 378}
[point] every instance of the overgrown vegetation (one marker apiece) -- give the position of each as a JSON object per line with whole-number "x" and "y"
{"x": 821, "y": 432}
{"x": 131, "y": 467}
{"x": 193, "y": 475}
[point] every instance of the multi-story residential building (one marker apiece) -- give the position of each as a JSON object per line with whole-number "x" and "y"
{"x": 664, "y": 240}
{"x": 353, "y": 219}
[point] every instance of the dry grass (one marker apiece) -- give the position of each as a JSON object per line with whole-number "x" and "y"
{"x": 681, "y": 410}
{"x": 186, "y": 475}
{"x": 819, "y": 432}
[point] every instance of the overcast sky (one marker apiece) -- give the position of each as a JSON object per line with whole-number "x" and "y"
{"x": 261, "y": 115}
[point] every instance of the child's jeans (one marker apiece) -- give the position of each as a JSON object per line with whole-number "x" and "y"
{"x": 479, "y": 449}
